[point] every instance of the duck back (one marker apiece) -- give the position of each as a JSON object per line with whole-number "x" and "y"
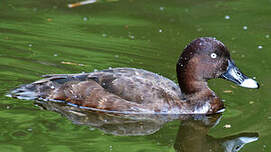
{"x": 123, "y": 87}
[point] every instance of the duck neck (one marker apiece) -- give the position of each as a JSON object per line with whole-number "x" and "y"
{"x": 190, "y": 82}
{"x": 192, "y": 87}
{"x": 195, "y": 89}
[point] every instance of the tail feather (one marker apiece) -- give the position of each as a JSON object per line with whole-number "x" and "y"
{"x": 41, "y": 89}
{"x": 26, "y": 92}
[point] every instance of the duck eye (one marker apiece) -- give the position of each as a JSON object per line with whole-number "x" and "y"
{"x": 213, "y": 55}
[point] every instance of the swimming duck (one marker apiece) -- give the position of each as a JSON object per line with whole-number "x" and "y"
{"x": 138, "y": 90}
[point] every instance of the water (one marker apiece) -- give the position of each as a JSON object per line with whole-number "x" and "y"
{"x": 41, "y": 37}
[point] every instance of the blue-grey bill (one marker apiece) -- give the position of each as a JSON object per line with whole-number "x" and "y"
{"x": 235, "y": 75}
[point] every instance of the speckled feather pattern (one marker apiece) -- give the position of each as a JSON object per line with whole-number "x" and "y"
{"x": 117, "y": 89}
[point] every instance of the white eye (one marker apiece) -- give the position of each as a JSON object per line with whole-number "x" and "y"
{"x": 213, "y": 55}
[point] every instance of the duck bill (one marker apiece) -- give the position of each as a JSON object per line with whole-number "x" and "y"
{"x": 235, "y": 75}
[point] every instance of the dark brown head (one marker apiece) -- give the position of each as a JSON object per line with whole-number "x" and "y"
{"x": 206, "y": 58}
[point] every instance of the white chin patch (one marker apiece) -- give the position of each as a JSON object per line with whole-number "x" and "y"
{"x": 249, "y": 83}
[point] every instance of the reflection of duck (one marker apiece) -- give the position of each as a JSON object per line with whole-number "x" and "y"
{"x": 117, "y": 124}
{"x": 192, "y": 135}
{"x": 136, "y": 90}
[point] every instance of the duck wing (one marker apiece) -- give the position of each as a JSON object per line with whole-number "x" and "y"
{"x": 137, "y": 85}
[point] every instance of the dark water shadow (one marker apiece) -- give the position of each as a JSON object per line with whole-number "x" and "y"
{"x": 192, "y": 134}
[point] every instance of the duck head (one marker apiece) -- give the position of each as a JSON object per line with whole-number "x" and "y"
{"x": 207, "y": 58}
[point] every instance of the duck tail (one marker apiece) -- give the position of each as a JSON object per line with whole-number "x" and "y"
{"x": 26, "y": 92}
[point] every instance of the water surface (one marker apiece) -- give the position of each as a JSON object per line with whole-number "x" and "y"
{"x": 45, "y": 36}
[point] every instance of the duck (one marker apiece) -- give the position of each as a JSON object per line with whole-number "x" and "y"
{"x": 131, "y": 90}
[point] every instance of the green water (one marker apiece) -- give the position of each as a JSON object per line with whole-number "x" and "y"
{"x": 45, "y": 36}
